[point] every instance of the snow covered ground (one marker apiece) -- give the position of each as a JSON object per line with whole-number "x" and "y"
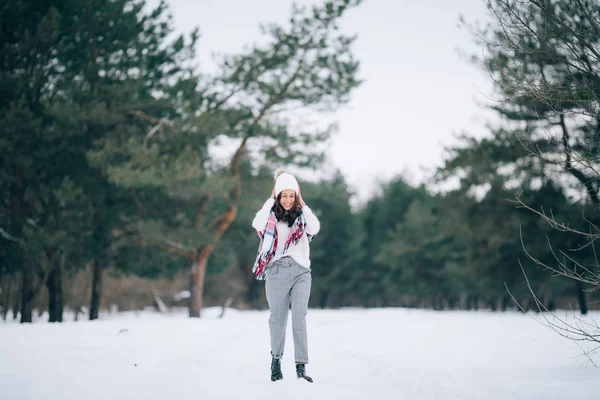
{"x": 354, "y": 354}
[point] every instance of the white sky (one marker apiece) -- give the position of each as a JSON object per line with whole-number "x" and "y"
{"x": 417, "y": 90}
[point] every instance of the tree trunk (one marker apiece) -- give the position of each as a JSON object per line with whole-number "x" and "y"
{"x": 96, "y": 290}
{"x": 451, "y": 303}
{"x": 463, "y": 302}
{"x": 27, "y": 295}
{"x": 198, "y": 272}
{"x": 526, "y": 305}
{"x": 581, "y": 297}
{"x": 17, "y": 203}
{"x": 55, "y": 294}
{"x": 592, "y": 192}
{"x": 499, "y": 304}
{"x": 493, "y": 304}
{"x": 16, "y": 299}
{"x": 502, "y": 303}
{"x": 200, "y": 261}
{"x": 323, "y": 298}
{"x": 10, "y": 295}
{"x": 5, "y": 295}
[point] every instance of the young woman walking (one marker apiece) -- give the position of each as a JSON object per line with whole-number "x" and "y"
{"x": 286, "y": 225}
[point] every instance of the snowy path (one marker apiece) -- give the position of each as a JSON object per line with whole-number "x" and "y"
{"x": 355, "y": 354}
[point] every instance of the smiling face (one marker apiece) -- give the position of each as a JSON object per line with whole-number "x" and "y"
{"x": 287, "y": 199}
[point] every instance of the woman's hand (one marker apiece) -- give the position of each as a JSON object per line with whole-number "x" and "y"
{"x": 301, "y": 202}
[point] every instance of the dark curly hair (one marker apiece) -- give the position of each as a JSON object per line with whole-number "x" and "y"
{"x": 284, "y": 215}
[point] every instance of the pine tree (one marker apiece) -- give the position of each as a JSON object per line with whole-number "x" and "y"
{"x": 97, "y": 68}
{"x": 543, "y": 57}
{"x": 28, "y": 42}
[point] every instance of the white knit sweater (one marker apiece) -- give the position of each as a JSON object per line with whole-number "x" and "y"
{"x": 300, "y": 252}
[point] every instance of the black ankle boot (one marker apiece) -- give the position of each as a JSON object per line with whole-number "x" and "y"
{"x": 301, "y": 372}
{"x": 276, "y": 370}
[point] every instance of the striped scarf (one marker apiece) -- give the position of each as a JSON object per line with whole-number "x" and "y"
{"x": 268, "y": 242}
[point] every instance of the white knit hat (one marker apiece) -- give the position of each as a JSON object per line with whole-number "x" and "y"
{"x": 283, "y": 181}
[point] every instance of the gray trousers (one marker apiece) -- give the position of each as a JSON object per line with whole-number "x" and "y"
{"x": 288, "y": 283}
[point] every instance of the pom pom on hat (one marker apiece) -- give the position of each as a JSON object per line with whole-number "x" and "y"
{"x": 283, "y": 181}
{"x": 278, "y": 172}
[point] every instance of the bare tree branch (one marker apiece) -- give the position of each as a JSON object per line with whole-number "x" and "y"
{"x": 8, "y": 236}
{"x": 577, "y": 331}
{"x": 179, "y": 249}
{"x": 159, "y": 123}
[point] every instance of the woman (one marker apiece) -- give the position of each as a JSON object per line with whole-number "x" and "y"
{"x": 286, "y": 225}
